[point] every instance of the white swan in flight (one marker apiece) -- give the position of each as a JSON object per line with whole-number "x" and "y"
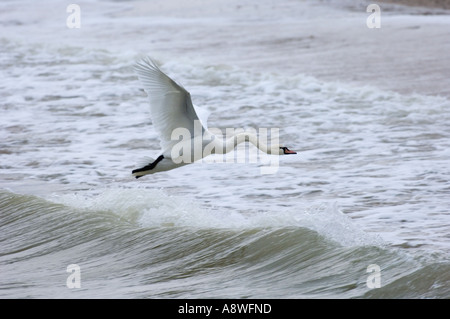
{"x": 171, "y": 109}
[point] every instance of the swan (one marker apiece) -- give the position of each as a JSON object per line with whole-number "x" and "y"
{"x": 172, "y": 110}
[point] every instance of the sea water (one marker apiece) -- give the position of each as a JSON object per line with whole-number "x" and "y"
{"x": 369, "y": 185}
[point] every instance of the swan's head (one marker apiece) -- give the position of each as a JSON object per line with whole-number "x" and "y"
{"x": 284, "y": 151}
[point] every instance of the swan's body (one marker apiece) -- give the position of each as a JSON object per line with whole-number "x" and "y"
{"x": 172, "y": 111}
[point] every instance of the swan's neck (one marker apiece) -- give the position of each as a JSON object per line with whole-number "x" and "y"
{"x": 239, "y": 138}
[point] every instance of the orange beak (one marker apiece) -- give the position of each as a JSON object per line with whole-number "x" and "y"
{"x": 288, "y": 151}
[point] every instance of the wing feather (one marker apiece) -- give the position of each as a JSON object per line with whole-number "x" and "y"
{"x": 170, "y": 104}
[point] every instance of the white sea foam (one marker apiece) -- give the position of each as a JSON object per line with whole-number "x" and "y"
{"x": 154, "y": 208}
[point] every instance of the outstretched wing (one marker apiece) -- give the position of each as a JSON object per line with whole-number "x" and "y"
{"x": 170, "y": 104}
